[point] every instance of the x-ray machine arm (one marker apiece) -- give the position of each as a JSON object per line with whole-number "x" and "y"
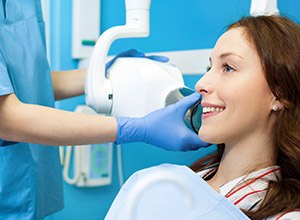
{"x": 98, "y": 88}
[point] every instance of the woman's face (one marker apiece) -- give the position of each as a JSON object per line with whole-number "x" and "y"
{"x": 236, "y": 99}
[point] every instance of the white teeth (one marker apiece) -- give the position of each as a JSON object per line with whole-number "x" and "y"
{"x": 212, "y": 109}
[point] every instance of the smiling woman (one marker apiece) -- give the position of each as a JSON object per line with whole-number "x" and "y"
{"x": 250, "y": 100}
{"x": 254, "y": 79}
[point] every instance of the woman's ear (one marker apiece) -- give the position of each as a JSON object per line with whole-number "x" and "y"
{"x": 277, "y": 105}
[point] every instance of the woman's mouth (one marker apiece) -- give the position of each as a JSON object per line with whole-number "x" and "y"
{"x": 211, "y": 110}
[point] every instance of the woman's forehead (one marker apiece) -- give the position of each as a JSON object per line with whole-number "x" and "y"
{"x": 233, "y": 41}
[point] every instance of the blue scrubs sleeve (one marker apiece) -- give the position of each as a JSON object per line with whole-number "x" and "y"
{"x": 5, "y": 83}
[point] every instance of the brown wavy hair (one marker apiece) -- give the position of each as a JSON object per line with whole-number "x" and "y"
{"x": 277, "y": 42}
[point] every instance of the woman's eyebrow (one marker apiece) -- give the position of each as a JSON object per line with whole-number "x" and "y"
{"x": 229, "y": 54}
{"x": 223, "y": 55}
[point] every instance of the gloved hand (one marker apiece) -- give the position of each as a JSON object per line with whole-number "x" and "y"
{"x": 164, "y": 128}
{"x": 135, "y": 53}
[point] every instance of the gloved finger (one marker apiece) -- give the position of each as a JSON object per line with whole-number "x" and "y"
{"x": 162, "y": 59}
{"x": 128, "y": 53}
{"x": 184, "y": 104}
{"x": 131, "y": 53}
{"x": 109, "y": 64}
{"x": 195, "y": 143}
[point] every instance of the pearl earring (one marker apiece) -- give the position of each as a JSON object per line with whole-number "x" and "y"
{"x": 275, "y": 108}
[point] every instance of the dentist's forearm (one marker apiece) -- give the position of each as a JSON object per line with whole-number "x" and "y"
{"x": 68, "y": 84}
{"x": 37, "y": 124}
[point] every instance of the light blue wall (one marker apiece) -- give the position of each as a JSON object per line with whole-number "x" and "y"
{"x": 175, "y": 25}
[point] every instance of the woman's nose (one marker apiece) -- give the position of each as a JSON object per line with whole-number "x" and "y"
{"x": 203, "y": 86}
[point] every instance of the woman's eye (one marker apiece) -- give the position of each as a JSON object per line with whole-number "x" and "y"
{"x": 208, "y": 68}
{"x": 227, "y": 68}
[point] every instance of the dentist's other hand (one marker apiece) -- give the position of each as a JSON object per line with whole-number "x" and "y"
{"x": 135, "y": 53}
{"x": 164, "y": 128}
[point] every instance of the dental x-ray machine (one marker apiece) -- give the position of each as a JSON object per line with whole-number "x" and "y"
{"x": 133, "y": 86}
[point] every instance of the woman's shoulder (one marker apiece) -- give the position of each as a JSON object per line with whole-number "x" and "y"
{"x": 292, "y": 215}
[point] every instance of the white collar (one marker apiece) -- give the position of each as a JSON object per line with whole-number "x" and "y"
{"x": 256, "y": 179}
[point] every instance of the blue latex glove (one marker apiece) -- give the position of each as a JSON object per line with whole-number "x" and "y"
{"x": 164, "y": 128}
{"x": 135, "y": 53}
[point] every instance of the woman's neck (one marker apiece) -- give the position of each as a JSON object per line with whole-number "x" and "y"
{"x": 243, "y": 157}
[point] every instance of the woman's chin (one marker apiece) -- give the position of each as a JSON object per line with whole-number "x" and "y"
{"x": 208, "y": 138}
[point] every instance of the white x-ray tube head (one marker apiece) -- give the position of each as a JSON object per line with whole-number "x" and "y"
{"x": 141, "y": 85}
